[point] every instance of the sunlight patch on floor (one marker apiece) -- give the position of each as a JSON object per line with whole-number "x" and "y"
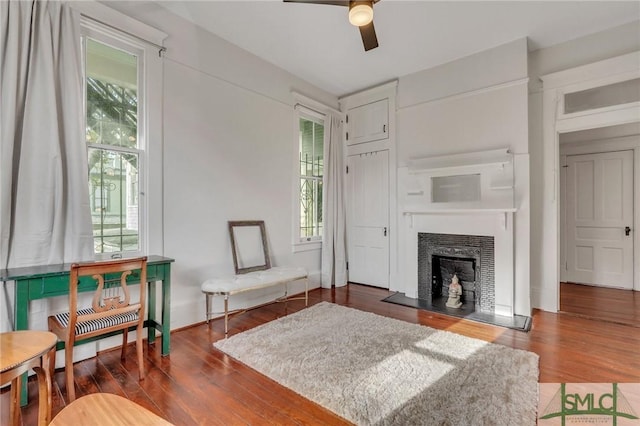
{"x": 441, "y": 343}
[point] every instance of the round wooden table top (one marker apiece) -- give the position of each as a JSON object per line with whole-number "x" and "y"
{"x": 18, "y": 347}
{"x": 106, "y": 409}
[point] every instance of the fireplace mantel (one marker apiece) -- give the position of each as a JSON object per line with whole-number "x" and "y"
{"x": 463, "y": 194}
{"x": 503, "y": 213}
{"x": 456, "y": 162}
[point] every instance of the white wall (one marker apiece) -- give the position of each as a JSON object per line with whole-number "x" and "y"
{"x": 476, "y": 103}
{"x": 228, "y": 155}
{"x": 592, "y": 48}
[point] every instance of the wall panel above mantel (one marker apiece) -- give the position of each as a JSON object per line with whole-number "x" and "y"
{"x": 488, "y": 120}
{"x": 504, "y": 63}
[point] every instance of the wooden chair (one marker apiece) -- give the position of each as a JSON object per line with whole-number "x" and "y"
{"x": 111, "y": 310}
{"x": 21, "y": 351}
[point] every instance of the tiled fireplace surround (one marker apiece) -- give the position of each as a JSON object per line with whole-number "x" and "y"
{"x": 496, "y": 296}
{"x": 464, "y": 248}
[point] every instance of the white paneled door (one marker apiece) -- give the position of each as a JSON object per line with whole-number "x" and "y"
{"x": 368, "y": 218}
{"x": 600, "y": 219}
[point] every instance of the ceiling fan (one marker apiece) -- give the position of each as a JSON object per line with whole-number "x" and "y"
{"x": 360, "y": 15}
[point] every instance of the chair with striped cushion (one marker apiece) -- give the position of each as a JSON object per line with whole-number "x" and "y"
{"x": 112, "y": 308}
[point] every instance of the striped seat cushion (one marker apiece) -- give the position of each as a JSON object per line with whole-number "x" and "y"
{"x": 97, "y": 324}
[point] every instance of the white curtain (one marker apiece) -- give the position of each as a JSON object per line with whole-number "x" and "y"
{"x": 44, "y": 209}
{"x": 334, "y": 252}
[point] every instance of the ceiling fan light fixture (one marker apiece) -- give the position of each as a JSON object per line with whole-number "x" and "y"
{"x": 360, "y": 13}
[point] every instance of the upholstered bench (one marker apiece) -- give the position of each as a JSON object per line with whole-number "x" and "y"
{"x": 242, "y": 283}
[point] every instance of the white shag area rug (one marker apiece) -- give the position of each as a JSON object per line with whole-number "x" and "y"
{"x": 374, "y": 370}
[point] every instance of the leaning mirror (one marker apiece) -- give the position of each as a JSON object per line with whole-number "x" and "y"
{"x": 249, "y": 246}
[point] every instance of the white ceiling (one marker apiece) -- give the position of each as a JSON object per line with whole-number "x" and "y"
{"x": 317, "y": 43}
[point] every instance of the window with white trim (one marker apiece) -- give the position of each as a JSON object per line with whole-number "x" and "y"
{"x": 311, "y": 131}
{"x": 114, "y": 122}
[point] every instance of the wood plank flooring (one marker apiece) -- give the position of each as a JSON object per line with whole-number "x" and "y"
{"x": 199, "y": 385}
{"x": 601, "y": 303}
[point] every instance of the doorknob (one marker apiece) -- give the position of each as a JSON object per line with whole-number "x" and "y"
{"x": 385, "y": 231}
{"x": 627, "y": 230}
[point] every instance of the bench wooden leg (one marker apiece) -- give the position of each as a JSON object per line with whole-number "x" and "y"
{"x": 207, "y": 308}
{"x": 285, "y": 298}
{"x": 226, "y": 315}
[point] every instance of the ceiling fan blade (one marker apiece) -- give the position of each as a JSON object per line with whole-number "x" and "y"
{"x": 369, "y": 38}
{"x": 327, "y": 2}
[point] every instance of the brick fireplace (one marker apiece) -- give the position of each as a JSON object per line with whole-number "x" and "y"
{"x": 470, "y": 257}
{"x": 463, "y": 235}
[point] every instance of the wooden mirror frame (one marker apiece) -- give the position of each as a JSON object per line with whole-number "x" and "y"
{"x": 234, "y": 248}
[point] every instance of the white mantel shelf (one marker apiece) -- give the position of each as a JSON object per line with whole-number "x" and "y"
{"x": 457, "y": 167}
{"x": 462, "y": 211}
{"x": 481, "y": 159}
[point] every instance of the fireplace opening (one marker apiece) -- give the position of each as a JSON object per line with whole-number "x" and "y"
{"x": 443, "y": 269}
{"x": 471, "y": 257}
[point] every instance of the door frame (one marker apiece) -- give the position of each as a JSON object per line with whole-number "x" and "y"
{"x": 350, "y": 223}
{"x": 600, "y": 146}
{"x": 555, "y": 123}
{"x": 389, "y": 91}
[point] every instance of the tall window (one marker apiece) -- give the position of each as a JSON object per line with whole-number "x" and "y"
{"x": 112, "y": 122}
{"x": 311, "y": 163}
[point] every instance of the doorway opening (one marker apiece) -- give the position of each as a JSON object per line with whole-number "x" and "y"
{"x": 598, "y": 211}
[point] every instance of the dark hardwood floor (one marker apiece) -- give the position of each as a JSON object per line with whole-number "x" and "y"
{"x": 601, "y": 303}
{"x": 198, "y": 384}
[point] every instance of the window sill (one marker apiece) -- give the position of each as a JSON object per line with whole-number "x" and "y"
{"x": 117, "y": 255}
{"x": 307, "y": 246}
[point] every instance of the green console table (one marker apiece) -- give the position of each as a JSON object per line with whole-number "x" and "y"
{"x": 41, "y": 282}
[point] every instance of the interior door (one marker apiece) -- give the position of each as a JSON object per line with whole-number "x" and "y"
{"x": 600, "y": 219}
{"x": 368, "y": 218}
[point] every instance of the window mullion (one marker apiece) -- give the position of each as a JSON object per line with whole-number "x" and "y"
{"x": 115, "y": 148}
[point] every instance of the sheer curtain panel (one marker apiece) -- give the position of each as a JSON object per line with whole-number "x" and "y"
{"x": 44, "y": 195}
{"x": 334, "y": 261}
